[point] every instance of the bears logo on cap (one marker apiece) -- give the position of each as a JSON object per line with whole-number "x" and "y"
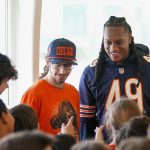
{"x": 62, "y": 51}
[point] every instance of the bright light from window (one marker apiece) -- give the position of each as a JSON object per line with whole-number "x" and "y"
{"x": 82, "y": 22}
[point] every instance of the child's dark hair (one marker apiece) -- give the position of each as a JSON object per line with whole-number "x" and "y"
{"x": 25, "y": 117}
{"x": 6, "y": 69}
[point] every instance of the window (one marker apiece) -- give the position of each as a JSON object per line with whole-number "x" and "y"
{"x": 82, "y": 22}
{"x": 5, "y": 37}
{"x": 19, "y": 40}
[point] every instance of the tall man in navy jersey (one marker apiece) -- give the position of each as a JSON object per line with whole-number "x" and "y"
{"x": 120, "y": 70}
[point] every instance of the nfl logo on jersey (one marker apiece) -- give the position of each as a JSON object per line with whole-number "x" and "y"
{"x": 121, "y": 70}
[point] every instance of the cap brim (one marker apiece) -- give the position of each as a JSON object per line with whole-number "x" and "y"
{"x": 57, "y": 61}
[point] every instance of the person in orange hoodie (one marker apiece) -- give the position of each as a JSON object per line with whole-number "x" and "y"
{"x": 54, "y": 100}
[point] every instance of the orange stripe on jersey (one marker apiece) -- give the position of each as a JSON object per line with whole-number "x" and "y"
{"x": 87, "y": 111}
{"x": 87, "y": 116}
{"x": 86, "y": 106}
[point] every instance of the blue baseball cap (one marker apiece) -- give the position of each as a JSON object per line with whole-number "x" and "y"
{"x": 62, "y": 51}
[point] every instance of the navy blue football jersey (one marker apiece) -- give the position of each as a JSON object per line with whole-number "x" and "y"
{"x": 115, "y": 81}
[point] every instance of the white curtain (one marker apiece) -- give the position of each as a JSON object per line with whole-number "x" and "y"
{"x": 24, "y": 51}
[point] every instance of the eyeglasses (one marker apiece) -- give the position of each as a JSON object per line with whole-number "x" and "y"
{"x": 64, "y": 66}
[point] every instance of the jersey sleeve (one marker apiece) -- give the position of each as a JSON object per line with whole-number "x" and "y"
{"x": 87, "y": 104}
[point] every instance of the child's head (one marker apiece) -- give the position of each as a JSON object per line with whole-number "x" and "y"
{"x": 27, "y": 140}
{"x": 135, "y": 127}
{"x": 121, "y": 111}
{"x": 25, "y": 117}
{"x": 6, "y": 120}
{"x": 7, "y": 72}
{"x": 89, "y": 145}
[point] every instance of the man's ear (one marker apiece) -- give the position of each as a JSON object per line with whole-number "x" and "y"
{"x": 47, "y": 60}
{"x": 4, "y": 117}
